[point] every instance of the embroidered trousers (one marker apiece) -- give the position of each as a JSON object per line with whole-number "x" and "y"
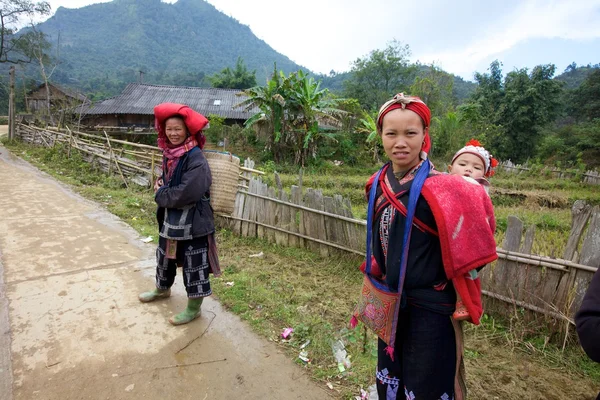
{"x": 192, "y": 256}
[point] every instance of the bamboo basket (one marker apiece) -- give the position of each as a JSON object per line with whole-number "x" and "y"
{"x": 225, "y": 171}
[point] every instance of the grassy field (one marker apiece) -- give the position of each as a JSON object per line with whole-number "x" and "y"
{"x": 296, "y": 288}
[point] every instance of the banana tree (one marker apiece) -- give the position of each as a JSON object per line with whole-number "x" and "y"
{"x": 294, "y": 108}
{"x": 311, "y": 109}
{"x": 368, "y": 126}
{"x": 270, "y": 102}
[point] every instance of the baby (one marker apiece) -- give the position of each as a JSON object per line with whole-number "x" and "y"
{"x": 472, "y": 162}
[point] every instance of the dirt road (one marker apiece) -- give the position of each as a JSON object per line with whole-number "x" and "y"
{"x": 71, "y": 323}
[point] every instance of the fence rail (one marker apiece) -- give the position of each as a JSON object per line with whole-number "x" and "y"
{"x": 591, "y": 177}
{"x": 546, "y": 286}
{"x": 303, "y": 217}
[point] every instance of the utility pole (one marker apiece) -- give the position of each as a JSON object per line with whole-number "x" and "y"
{"x": 141, "y": 76}
{"x": 11, "y": 105}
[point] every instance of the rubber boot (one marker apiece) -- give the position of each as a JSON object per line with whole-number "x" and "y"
{"x": 155, "y": 294}
{"x": 191, "y": 312}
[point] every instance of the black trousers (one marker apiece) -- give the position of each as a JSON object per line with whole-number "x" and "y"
{"x": 424, "y": 363}
{"x": 192, "y": 256}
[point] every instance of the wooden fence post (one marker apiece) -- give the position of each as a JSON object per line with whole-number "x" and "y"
{"x": 112, "y": 156}
{"x": 11, "y": 104}
{"x": 504, "y": 271}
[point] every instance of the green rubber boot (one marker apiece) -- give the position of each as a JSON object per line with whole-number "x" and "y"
{"x": 155, "y": 294}
{"x": 191, "y": 312}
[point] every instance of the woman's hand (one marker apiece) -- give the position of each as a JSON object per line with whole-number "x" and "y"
{"x": 157, "y": 184}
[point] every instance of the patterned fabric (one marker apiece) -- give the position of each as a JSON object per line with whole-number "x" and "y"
{"x": 172, "y": 156}
{"x": 180, "y": 225}
{"x": 375, "y": 309}
{"x": 387, "y": 219}
{"x": 193, "y": 257}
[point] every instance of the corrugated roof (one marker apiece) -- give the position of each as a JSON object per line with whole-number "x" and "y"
{"x": 138, "y": 98}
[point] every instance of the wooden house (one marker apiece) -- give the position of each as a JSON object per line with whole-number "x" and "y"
{"x": 61, "y": 99}
{"x": 134, "y": 107}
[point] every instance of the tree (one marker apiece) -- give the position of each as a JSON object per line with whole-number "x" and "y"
{"x": 368, "y": 126}
{"x": 448, "y": 134}
{"x": 515, "y": 109}
{"x": 434, "y": 87}
{"x": 530, "y": 102}
{"x": 36, "y": 46}
{"x": 11, "y": 14}
{"x": 586, "y": 98}
{"x": 269, "y": 101}
{"x": 239, "y": 78}
{"x": 293, "y": 110}
{"x": 378, "y": 76}
{"x": 310, "y": 107}
{"x": 490, "y": 91}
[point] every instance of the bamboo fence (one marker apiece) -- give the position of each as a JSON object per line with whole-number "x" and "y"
{"x": 133, "y": 162}
{"x": 590, "y": 177}
{"x": 299, "y": 217}
{"x": 551, "y": 288}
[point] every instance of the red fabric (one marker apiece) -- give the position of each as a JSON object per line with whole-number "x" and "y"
{"x": 375, "y": 270}
{"x": 392, "y": 198}
{"x": 465, "y": 220}
{"x": 172, "y": 154}
{"x": 194, "y": 121}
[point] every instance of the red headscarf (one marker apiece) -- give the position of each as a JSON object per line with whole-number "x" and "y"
{"x": 193, "y": 120}
{"x": 413, "y": 104}
{"x": 194, "y": 123}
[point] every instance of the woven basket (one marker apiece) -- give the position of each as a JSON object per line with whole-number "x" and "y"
{"x": 225, "y": 171}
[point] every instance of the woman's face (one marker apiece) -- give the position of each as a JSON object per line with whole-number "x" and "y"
{"x": 402, "y": 134}
{"x": 176, "y": 131}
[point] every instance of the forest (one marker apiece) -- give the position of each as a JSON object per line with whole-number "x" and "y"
{"x": 538, "y": 115}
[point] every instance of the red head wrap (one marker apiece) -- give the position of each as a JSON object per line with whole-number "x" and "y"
{"x": 193, "y": 120}
{"x": 413, "y": 104}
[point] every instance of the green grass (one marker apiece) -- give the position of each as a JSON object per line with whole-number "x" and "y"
{"x": 290, "y": 287}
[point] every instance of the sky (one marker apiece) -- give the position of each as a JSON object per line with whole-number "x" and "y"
{"x": 461, "y": 37}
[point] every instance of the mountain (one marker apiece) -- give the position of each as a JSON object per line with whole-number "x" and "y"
{"x": 462, "y": 89}
{"x": 574, "y": 75}
{"x": 190, "y": 38}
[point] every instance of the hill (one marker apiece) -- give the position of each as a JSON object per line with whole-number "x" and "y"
{"x": 574, "y": 75}
{"x": 176, "y": 43}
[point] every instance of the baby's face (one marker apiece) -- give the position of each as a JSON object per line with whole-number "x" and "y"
{"x": 468, "y": 165}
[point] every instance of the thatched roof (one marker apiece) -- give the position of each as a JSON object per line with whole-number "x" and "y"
{"x": 140, "y": 99}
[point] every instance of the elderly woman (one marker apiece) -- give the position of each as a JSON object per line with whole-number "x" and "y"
{"x": 185, "y": 216}
{"x": 425, "y": 231}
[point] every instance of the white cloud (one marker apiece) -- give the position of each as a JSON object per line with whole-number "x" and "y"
{"x": 325, "y": 35}
{"x": 533, "y": 19}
